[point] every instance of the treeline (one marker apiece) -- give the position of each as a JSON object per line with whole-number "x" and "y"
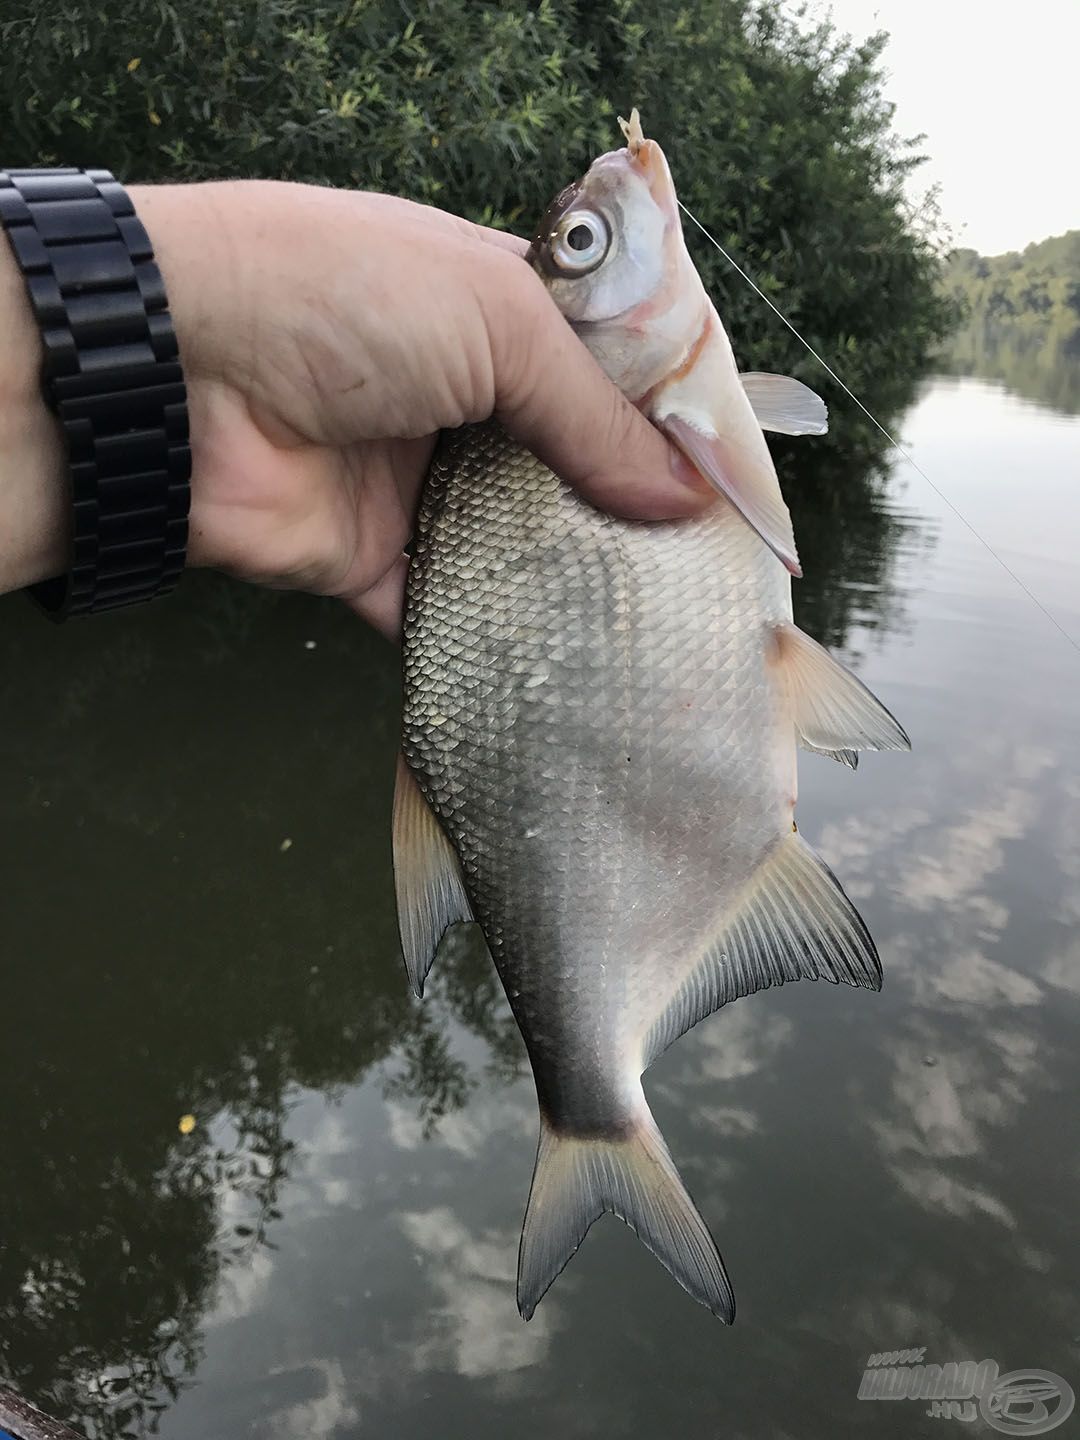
{"x": 1020, "y": 319}
{"x": 778, "y": 132}
{"x": 1037, "y": 289}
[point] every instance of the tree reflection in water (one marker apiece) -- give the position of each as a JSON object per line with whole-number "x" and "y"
{"x": 1037, "y": 363}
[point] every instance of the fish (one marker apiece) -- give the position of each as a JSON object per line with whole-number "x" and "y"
{"x": 600, "y": 727}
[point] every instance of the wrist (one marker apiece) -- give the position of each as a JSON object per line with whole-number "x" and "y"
{"x": 200, "y": 235}
{"x": 190, "y": 229}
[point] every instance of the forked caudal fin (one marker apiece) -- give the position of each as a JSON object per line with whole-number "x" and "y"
{"x": 577, "y": 1179}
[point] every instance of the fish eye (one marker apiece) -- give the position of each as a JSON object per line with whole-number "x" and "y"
{"x": 581, "y": 242}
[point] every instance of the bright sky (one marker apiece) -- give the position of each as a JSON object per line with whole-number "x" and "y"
{"x": 993, "y": 86}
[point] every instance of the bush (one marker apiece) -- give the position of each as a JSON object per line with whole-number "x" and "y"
{"x": 778, "y": 137}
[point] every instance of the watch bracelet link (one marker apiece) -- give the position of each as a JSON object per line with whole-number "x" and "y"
{"x": 112, "y": 375}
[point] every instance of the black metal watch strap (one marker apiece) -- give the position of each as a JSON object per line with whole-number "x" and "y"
{"x": 112, "y": 375}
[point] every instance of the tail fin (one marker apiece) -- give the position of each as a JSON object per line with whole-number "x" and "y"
{"x": 576, "y": 1180}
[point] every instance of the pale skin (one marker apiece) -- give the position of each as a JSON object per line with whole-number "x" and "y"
{"x": 327, "y": 337}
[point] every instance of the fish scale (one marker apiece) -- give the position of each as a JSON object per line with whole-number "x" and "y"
{"x": 594, "y": 713}
{"x": 537, "y": 628}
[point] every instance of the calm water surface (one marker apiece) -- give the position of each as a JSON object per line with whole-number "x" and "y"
{"x": 196, "y": 917}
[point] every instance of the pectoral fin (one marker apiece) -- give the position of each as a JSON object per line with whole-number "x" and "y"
{"x": 835, "y": 714}
{"x": 785, "y": 405}
{"x": 704, "y": 409}
{"x": 747, "y": 480}
{"x": 427, "y": 877}
{"x": 792, "y": 922}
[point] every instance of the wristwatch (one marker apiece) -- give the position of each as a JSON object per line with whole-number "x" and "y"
{"x": 112, "y": 376}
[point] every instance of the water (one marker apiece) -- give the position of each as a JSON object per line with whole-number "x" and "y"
{"x": 331, "y": 1252}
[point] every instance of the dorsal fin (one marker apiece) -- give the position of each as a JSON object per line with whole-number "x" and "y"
{"x": 427, "y": 877}
{"x": 785, "y": 405}
{"x": 792, "y": 922}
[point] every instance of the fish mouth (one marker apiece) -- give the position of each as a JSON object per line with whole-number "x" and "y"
{"x": 649, "y": 161}
{"x": 646, "y": 159}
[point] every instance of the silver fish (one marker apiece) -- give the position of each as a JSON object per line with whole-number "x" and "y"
{"x": 600, "y": 731}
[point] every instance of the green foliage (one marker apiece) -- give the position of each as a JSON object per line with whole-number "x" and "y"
{"x": 778, "y": 135}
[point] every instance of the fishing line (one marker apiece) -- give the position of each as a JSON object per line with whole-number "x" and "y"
{"x": 874, "y": 421}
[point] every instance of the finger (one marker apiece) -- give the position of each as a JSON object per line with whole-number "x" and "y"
{"x": 383, "y": 604}
{"x": 551, "y": 394}
{"x": 503, "y": 240}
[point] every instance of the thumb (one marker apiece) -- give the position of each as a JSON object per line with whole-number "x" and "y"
{"x": 553, "y": 397}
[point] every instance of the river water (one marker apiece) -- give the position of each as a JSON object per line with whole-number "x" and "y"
{"x": 196, "y": 918}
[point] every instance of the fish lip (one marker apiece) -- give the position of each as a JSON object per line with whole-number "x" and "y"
{"x": 650, "y": 162}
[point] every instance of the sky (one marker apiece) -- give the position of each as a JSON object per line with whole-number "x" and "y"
{"x": 993, "y": 86}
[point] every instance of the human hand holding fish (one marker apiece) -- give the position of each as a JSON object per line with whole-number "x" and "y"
{"x": 327, "y": 337}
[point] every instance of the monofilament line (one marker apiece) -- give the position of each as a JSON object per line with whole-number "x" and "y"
{"x": 874, "y": 421}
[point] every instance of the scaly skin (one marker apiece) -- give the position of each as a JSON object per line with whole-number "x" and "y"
{"x": 591, "y": 711}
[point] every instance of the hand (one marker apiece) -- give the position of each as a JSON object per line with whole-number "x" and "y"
{"x": 327, "y": 336}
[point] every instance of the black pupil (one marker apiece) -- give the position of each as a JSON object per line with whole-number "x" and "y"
{"x": 580, "y": 237}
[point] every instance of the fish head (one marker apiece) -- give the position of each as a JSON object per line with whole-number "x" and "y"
{"x": 611, "y": 253}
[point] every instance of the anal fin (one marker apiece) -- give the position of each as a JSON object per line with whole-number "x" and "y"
{"x": 835, "y": 713}
{"x": 792, "y": 922}
{"x": 427, "y": 878}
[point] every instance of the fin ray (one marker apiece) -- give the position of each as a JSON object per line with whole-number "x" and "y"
{"x": 794, "y": 922}
{"x": 750, "y": 484}
{"x": 577, "y": 1179}
{"x": 427, "y": 878}
{"x": 704, "y": 409}
{"x": 785, "y": 405}
{"x": 835, "y": 713}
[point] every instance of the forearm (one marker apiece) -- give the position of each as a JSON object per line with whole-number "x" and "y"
{"x": 33, "y": 505}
